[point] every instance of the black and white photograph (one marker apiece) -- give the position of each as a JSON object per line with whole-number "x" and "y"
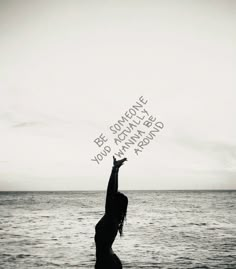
{"x": 117, "y": 134}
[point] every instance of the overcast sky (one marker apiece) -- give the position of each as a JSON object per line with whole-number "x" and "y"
{"x": 70, "y": 69}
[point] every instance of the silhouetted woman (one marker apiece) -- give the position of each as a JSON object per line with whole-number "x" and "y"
{"x": 112, "y": 222}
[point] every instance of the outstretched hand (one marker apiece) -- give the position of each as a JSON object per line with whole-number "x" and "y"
{"x": 118, "y": 163}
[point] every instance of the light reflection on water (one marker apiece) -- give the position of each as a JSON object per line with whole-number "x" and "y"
{"x": 164, "y": 229}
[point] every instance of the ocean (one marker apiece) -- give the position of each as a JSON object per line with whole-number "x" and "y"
{"x": 163, "y": 229}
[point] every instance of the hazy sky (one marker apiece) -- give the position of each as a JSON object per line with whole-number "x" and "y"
{"x": 70, "y": 69}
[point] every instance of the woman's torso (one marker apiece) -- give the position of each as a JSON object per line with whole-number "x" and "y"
{"x": 105, "y": 234}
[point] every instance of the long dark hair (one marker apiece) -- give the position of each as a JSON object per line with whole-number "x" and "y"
{"x": 121, "y": 204}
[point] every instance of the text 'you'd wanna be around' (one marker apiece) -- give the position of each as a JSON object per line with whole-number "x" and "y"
{"x": 135, "y": 129}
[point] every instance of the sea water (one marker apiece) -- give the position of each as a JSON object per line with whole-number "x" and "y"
{"x": 164, "y": 229}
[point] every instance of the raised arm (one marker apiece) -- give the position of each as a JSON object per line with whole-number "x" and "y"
{"x": 112, "y": 187}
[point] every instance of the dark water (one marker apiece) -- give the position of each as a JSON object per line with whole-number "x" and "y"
{"x": 164, "y": 229}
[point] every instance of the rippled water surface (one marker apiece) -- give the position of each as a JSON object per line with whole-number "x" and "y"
{"x": 164, "y": 229}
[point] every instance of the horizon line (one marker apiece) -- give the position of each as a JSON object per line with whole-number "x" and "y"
{"x": 120, "y": 190}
